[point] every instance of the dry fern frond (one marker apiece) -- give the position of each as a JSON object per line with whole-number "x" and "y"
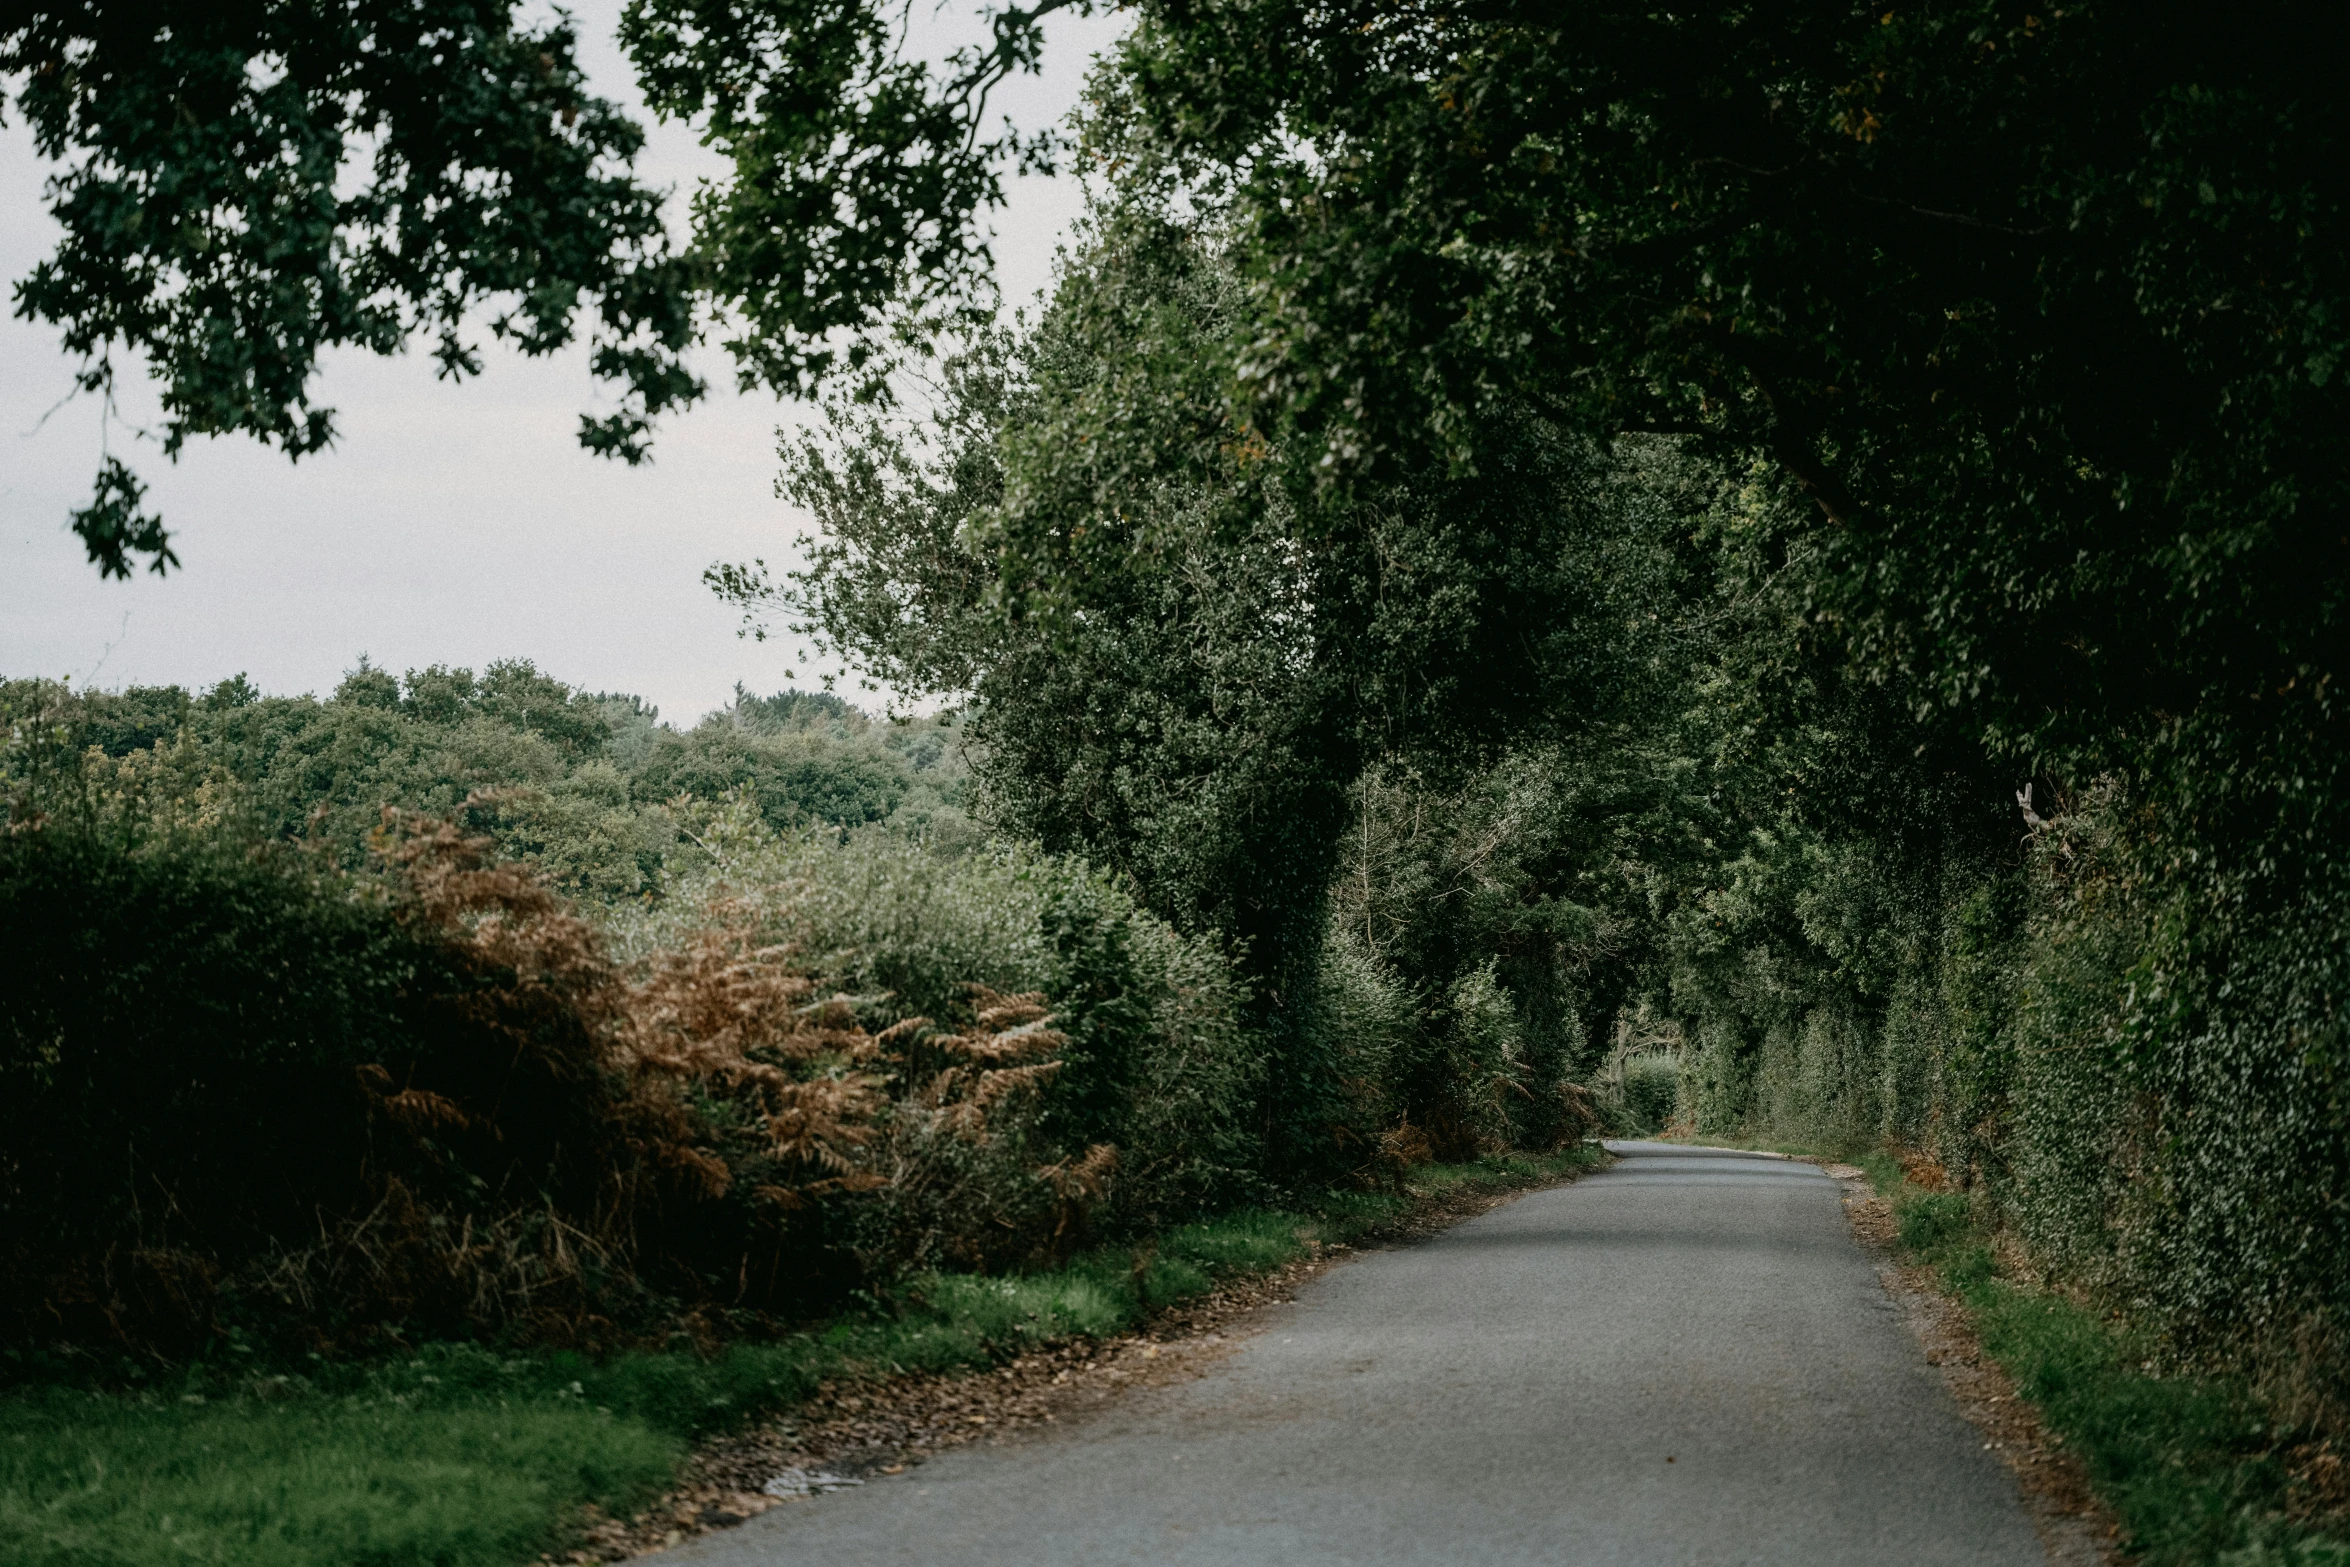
{"x": 1579, "y": 1113}
{"x": 995, "y": 1011}
{"x": 420, "y": 1110}
{"x": 1083, "y": 1179}
{"x": 548, "y": 981}
{"x": 1003, "y": 1082}
{"x": 1006, "y": 1030}
{"x": 855, "y": 1181}
{"x": 826, "y": 1123}
{"x": 1400, "y": 1150}
{"x": 706, "y": 1172}
{"x": 1079, "y": 1185}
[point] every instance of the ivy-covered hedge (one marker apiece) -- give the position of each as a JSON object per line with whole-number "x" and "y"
{"x": 2119, "y": 1053}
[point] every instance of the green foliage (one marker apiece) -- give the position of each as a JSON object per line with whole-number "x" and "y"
{"x": 1652, "y": 1090}
{"x": 1476, "y": 1064}
{"x": 254, "y": 186}
{"x": 1880, "y": 254}
{"x": 262, "y": 1106}
{"x": 120, "y": 722}
{"x": 1518, "y": 909}
{"x": 112, "y": 527}
{"x": 578, "y": 785}
{"x": 1964, "y": 526}
{"x": 859, "y": 174}
{"x": 1169, "y": 680}
{"x": 796, "y": 779}
{"x": 1357, "y": 1026}
{"x": 1157, "y": 1062}
{"x": 1246, "y": 1242}
{"x": 789, "y": 710}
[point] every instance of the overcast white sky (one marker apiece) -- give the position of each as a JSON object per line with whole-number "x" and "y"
{"x": 452, "y": 524}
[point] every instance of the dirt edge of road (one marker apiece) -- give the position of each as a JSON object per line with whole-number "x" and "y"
{"x": 2076, "y": 1528}
{"x": 857, "y": 1431}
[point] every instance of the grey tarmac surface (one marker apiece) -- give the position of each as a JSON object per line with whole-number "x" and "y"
{"x": 1682, "y": 1360}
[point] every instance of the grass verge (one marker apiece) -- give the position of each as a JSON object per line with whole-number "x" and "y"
{"x": 2196, "y": 1469}
{"x": 460, "y": 1456}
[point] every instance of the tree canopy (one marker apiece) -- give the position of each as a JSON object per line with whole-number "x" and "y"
{"x": 2040, "y": 307}
{"x": 244, "y": 186}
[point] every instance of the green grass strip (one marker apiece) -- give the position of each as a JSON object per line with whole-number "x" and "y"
{"x": 88, "y": 1480}
{"x": 2190, "y": 1466}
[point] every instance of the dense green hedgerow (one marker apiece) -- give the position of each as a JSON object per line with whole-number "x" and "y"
{"x": 1157, "y": 1061}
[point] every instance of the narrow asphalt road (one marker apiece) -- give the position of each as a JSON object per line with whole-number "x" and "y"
{"x": 1684, "y": 1359}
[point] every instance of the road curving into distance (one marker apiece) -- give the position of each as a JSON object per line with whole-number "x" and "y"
{"x": 1682, "y": 1360}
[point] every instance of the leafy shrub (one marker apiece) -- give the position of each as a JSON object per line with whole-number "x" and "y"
{"x": 1348, "y": 1044}
{"x": 1472, "y": 1067}
{"x": 1153, "y": 1062}
{"x": 1652, "y": 1089}
{"x": 248, "y": 1091}
{"x": 796, "y": 778}
{"x": 1818, "y": 1078}
{"x": 179, "y": 1042}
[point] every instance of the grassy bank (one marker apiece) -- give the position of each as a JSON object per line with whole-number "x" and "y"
{"x": 2198, "y": 1471}
{"x": 459, "y": 1456}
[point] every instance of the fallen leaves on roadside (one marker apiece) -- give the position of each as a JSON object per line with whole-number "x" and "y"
{"x": 856, "y": 1431}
